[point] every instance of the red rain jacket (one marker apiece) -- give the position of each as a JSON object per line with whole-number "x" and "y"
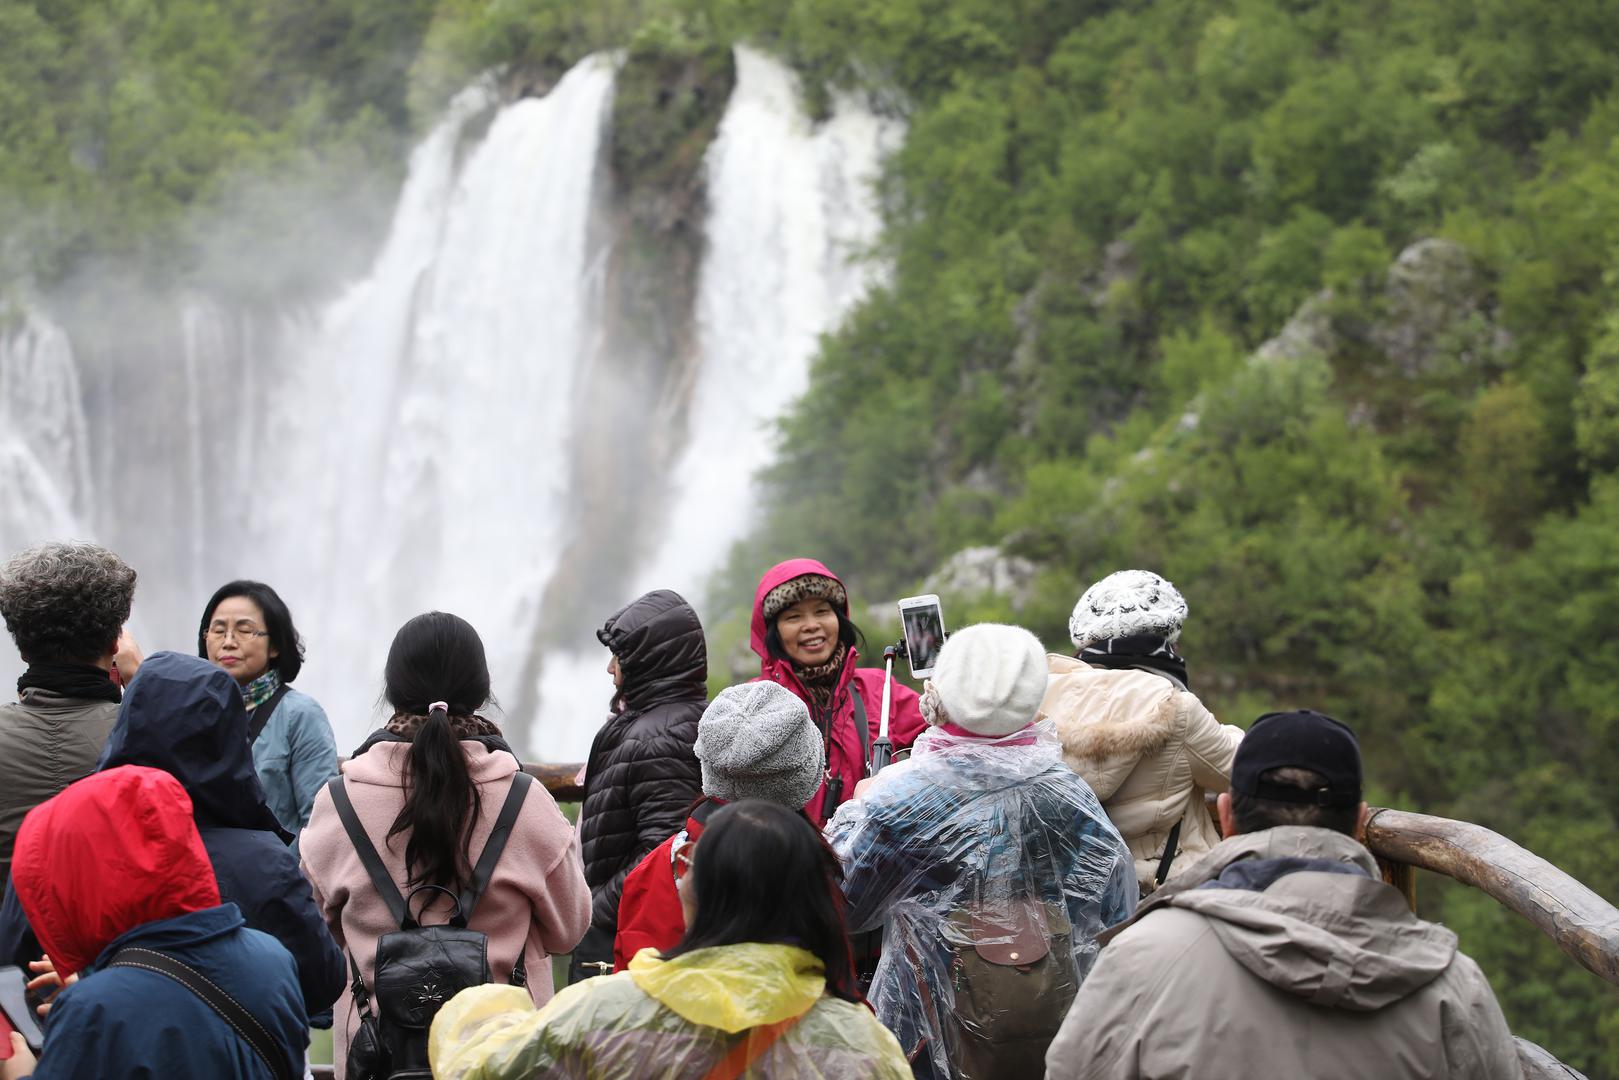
{"x": 132, "y": 856}
{"x": 649, "y": 915}
{"x": 845, "y": 758}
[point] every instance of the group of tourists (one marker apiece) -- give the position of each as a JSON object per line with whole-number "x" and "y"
{"x": 1034, "y": 886}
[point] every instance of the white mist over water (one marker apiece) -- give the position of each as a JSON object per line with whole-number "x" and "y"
{"x": 792, "y": 210}
{"x": 412, "y": 445}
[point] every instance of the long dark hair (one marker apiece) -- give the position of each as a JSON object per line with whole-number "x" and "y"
{"x": 284, "y": 639}
{"x": 762, "y": 873}
{"x": 437, "y": 657}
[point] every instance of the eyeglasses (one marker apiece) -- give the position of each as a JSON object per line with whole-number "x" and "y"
{"x": 242, "y": 631}
{"x": 680, "y": 858}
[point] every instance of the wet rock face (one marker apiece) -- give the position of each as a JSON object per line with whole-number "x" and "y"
{"x": 984, "y": 571}
{"x": 668, "y": 101}
{"x": 1308, "y": 333}
{"x": 1434, "y": 314}
{"x": 1434, "y": 293}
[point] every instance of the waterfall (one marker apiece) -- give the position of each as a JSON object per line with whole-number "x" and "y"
{"x": 435, "y": 401}
{"x": 44, "y": 470}
{"x": 793, "y": 208}
{"x": 413, "y": 444}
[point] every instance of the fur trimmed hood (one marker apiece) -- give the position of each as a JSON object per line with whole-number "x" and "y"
{"x": 1108, "y": 720}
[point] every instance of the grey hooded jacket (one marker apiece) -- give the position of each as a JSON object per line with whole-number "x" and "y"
{"x": 1281, "y": 953}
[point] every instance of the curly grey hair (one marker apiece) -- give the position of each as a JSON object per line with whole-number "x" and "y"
{"x": 65, "y": 600}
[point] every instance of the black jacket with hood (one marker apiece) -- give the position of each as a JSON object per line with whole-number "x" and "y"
{"x": 185, "y": 716}
{"x": 643, "y": 775}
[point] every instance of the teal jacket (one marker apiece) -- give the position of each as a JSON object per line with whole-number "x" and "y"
{"x": 295, "y": 755}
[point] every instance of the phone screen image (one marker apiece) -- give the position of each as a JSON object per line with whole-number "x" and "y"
{"x": 924, "y": 636}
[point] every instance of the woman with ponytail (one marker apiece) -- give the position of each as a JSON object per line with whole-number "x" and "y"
{"x": 427, "y": 788}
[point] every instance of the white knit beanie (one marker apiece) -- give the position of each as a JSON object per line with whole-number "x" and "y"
{"x": 1126, "y": 604}
{"x": 990, "y": 679}
{"x": 757, "y": 741}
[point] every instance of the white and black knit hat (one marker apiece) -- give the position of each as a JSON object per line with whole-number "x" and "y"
{"x": 1128, "y": 603}
{"x": 757, "y": 741}
{"x": 989, "y": 678}
{"x": 803, "y": 587}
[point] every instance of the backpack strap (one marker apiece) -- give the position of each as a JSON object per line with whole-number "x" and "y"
{"x": 362, "y": 996}
{"x": 521, "y": 782}
{"x": 750, "y": 1048}
{"x": 229, "y": 1009}
{"x": 262, "y": 714}
{"x": 380, "y": 878}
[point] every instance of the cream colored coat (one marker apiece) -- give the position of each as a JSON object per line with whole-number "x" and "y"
{"x": 1149, "y": 750}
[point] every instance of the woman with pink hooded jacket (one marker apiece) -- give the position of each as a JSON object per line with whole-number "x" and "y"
{"x": 806, "y": 642}
{"x": 428, "y": 789}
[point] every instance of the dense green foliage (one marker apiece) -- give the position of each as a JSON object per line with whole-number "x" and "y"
{"x": 1406, "y": 517}
{"x": 1404, "y": 513}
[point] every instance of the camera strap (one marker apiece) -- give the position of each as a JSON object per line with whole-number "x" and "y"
{"x": 863, "y": 726}
{"x": 262, "y": 714}
{"x": 832, "y": 798}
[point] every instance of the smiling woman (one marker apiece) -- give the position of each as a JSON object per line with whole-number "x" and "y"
{"x": 247, "y": 630}
{"x": 807, "y": 643}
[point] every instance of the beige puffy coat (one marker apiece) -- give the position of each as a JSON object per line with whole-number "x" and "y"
{"x": 1149, "y": 750}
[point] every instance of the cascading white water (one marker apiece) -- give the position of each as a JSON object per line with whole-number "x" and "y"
{"x": 412, "y": 446}
{"x": 444, "y": 384}
{"x": 45, "y": 487}
{"x": 44, "y": 470}
{"x": 793, "y": 209}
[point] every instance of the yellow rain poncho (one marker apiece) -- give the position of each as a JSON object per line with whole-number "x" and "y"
{"x": 667, "y": 1020}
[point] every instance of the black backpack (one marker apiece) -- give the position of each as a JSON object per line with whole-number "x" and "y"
{"x": 419, "y": 968}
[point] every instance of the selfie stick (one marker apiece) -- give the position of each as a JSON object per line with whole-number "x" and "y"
{"x": 882, "y": 751}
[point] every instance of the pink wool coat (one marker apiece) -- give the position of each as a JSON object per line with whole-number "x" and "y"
{"x": 537, "y": 900}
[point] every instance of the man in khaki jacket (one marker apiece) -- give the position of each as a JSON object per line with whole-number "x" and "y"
{"x": 1281, "y": 953}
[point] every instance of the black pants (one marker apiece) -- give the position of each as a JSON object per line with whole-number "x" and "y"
{"x": 596, "y": 947}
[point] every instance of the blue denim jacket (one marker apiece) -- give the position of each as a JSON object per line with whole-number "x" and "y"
{"x": 295, "y": 755}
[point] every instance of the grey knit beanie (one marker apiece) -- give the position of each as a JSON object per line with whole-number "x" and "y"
{"x": 757, "y": 741}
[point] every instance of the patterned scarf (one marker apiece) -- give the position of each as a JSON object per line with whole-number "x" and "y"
{"x": 1140, "y": 651}
{"x": 821, "y": 682}
{"x": 406, "y": 725}
{"x": 261, "y": 689}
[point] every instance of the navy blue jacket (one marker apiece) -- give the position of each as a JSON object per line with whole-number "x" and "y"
{"x": 123, "y": 1022}
{"x": 185, "y": 716}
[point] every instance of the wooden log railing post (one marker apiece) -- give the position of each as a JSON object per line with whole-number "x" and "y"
{"x": 1402, "y": 876}
{"x": 1581, "y": 923}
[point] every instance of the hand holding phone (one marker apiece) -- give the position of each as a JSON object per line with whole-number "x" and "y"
{"x": 923, "y": 620}
{"x": 14, "y": 1004}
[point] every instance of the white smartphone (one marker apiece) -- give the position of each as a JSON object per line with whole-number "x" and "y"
{"x": 923, "y": 621}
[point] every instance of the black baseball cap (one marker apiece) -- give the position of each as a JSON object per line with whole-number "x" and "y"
{"x": 1300, "y": 740}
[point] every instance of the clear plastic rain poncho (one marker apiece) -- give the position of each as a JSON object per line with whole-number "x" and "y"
{"x": 669, "y": 1020}
{"x": 992, "y": 868}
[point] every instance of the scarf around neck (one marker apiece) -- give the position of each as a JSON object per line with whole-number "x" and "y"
{"x": 821, "y": 681}
{"x": 71, "y": 680}
{"x": 406, "y": 725}
{"x": 1141, "y": 651}
{"x": 261, "y": 689}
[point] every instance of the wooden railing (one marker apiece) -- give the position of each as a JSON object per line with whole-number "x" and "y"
{"x": 1580, "y": 922}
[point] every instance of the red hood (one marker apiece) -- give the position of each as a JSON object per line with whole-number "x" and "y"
{"x": 777, "y": 575}
{"x": 112, "y": 852}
